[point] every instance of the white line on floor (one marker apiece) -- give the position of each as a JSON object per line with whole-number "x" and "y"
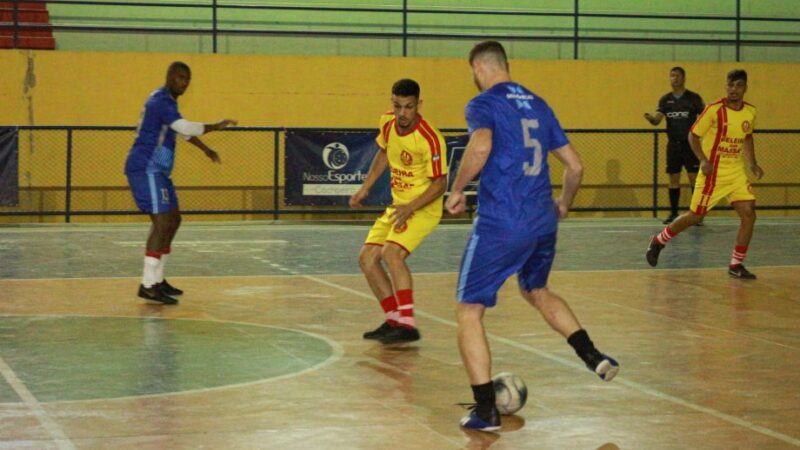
{"x": 55, "y": 431}
{"x": 619, "y": 380}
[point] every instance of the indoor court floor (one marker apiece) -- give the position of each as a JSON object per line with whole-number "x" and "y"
{"x": 265, "y": 348}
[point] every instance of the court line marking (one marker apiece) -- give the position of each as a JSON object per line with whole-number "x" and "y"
{"x": 53, "y": 429}
{"x": 354, "y": 274}
{"x": 637, "y": 222}
{"x": 619, "y": 380}
{"x": 336, "y": 354}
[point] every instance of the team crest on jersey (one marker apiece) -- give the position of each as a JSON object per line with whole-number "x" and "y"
{"x": 406, "y": 158}
{"x": 746, "y": 126}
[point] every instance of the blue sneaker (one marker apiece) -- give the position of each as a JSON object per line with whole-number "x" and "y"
{"x": 607, "y": 368}
{"x": 475, "y": 422}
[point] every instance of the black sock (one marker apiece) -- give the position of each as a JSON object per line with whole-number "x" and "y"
{"x": 674, "y": 197}
{"x": 484, "y": 397}
{"x": 580, "y": 341}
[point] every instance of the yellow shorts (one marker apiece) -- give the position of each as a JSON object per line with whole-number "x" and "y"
{"x": 708, "y": 192}
{"x": 409, "y": 236}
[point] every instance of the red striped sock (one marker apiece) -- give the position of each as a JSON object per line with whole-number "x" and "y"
{"x": 405, "y": 304}
{"x": 665, "y": 236}
{"x": 739, "y": 252}
{"x": 389, "y": 305}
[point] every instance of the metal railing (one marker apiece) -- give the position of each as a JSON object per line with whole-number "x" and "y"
{"x": 78, "y": 170}
{"x": 404, "y": 30}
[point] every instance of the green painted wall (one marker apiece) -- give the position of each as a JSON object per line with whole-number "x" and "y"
{"x": 464, "y": 24}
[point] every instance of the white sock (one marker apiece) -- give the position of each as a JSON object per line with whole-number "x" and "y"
{"x": 150, "y": 268}
{"x": 160, "y": 268}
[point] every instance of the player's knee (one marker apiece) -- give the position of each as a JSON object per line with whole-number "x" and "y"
{"x": 467, "y": 313}
{"x": 536, "y": 296}
{"x": 393, "y": 254}
{"x": 369, "y": 258}
{"x": 747, "y": 213}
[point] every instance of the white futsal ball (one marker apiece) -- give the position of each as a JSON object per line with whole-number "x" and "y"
{"x": 510, "y": 392}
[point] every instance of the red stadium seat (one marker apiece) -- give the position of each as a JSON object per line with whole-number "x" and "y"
{"x": 28, "y": 14}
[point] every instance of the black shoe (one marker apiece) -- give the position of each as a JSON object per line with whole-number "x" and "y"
{"x": 169, "y": 289}
{"x": 156, "y": 295}
{"x": 653, "y": 249}
{"x": 485, "y": 421}
{"x": 738, "y": 271}
{"x": 670, "y": 219}
{"x": 379, "y": 332}
{"x": 604, "y": 366}
{"x": 400, "y": 334}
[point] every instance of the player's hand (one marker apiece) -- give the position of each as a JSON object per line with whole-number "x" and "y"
{"x": 757, "y": 171}
{"x": 561, "y": 208}
{"x": 706, "y": 167}
{"x": 358, "y": 197}
{"x": 213, "y": 156}
{"x": 225, "y": 124}
{"x": 456, "y": 203}
{"x": 400, "y": 215}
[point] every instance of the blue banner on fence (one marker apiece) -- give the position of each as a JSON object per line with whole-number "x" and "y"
{"x": 327, "y": 167}
{"x": 9, "y": 166}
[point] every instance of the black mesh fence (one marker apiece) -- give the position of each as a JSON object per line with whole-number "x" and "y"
{"x": 68, "y": 171}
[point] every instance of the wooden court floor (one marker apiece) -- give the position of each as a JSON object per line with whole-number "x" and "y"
{"x": 265, "y": 349}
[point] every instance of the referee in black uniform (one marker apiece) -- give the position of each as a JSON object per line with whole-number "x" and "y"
{"x": 680, "y": 107}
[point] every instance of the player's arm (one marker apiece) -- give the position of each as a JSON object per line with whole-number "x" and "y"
{"x": 654, "y": 118}
{"x": 697, "y": 149}
{"x": 573, "y": 174}
{"x": 749, "y": 151}
{"x": 477, "y": 152}
{"x": 379, "y": 164}
{"x": 189, "y": 128}
{"x": 214, "y": 156}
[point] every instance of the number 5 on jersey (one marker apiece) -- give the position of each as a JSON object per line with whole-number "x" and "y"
{"x": 534, "y": 169}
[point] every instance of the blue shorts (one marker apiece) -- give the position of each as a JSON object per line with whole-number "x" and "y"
{"x": 154, "y": 193}
{"x": 490, "y": 258}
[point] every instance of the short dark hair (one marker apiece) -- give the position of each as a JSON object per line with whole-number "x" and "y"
{"x": 678, "y": 69}
{"x": 493, "y": 48}
{"x": 179, "y": 65}
{"x": 406, "y": 88}
{"x": 737, "y": 74}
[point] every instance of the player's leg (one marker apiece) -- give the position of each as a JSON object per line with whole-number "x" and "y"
{"x": 706, "y": 195}
{"x": 692, "y": 165}
{"x": 477, "y": 359}
{"x": 174, "y": 223}
{"x": 488, "y": 260}
{"x": 151, "y": 198}
{"x": 369, "y": 260}
{"x": 532, "y": 278}
{"x": 395, "y": 257}
{"x": 400, "y": 242}
{"x": 674, "y": 164}
{"x": 747, "y": 216}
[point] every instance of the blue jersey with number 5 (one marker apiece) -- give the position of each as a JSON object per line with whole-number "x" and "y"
{"x": 514, "y": 194}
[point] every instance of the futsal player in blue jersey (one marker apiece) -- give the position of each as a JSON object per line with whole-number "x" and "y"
{"x": 512, "y": 131}
{"x": 149, "y": 167}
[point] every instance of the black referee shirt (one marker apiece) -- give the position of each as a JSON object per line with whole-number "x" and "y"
{"x": 681, "y": 112}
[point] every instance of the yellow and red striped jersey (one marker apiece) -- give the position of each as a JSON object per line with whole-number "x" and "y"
{"x": 415, "y": 158}
{"x": 723, "y": 130}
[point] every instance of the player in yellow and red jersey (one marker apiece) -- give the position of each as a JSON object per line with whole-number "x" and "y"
{"x": 726, "y": 129}
{"x": 415, "y": 154}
